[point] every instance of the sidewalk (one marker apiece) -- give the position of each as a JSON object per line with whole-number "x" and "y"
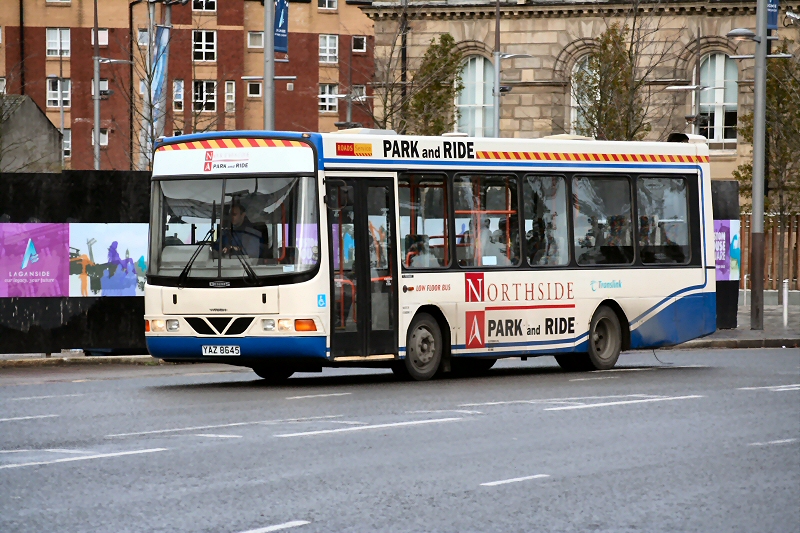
{"x": 774, "y": 335}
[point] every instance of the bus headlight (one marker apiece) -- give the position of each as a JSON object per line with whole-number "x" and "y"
{"x": 173, "y": 325}
{"x": 284, "y": 324}
{"x": 268, "y": 324}
{"x": 158, "y": 325}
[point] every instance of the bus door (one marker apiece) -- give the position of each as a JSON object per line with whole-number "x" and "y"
{"x": 361, "y": 216}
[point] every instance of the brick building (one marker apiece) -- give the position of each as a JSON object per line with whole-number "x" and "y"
{"x": 215, "y": 61}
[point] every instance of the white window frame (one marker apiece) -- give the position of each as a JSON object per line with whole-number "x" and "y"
{"x": 358, "y": 93}
{"x": 103, "y": 86}
{"x": 208, "y": 96}
{"x": 58, "y": 43}
{"x": 178, "y": 95}
{"x": 255, "y": 34}
{"x": 66, "y": 143}
{"x": 143, "y": 36}
{"x": 327, "y": 4}
{"x": 2, "y": 85}
{"x": 328, "y": 48}
{"x": 326, "y": 103}
{"x": 230, "y": 96}
{"x": 581, "y": 64}
{"x": 202, "y": 5}
{"x": 480, "y": 104}
{"x": 53, "y": 90}
{"x": 363, "y": 39}
{"x": 250, "y": 85}
{"x": 716, "y": 97}
{"x": 1, "y": 34}
{"x": 103, "y": 136}
{"x": 204, "y": 46}
{"x": 103, "y": 40}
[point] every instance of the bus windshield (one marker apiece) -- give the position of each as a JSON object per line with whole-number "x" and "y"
{"x": 234, "y": 228}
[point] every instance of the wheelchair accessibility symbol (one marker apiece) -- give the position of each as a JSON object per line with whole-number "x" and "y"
{"x": 321, "y": 300}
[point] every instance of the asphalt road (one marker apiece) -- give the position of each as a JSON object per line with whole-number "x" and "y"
{"x": 707, "y": 441}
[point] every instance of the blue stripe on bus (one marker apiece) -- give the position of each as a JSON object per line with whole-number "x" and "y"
{"x": 168, "y": 347}
{"x": 403, "y": 163}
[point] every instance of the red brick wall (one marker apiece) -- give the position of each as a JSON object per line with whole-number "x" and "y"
{"x": 230, "y": 67}
{"x": 230, "y": 13}
{"x": 363, "y": 65}
{"x": 299, "y": 110}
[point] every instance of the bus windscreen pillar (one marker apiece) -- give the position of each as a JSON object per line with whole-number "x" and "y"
{"x": 727, "y": 250}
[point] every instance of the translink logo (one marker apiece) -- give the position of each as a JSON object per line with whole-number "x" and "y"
{"x": 30, "y": 254}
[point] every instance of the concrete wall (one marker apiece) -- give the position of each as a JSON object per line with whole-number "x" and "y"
{"x": 29, "y": 142}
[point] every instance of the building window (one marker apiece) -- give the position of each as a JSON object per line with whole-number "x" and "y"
{"x": 254, "y": 89}
{"x": 103, "y": 136}
{"x": 327, "y": 98}
{"x": 328, "y": 48}
{"x": 205, "y": 95}
{"x": 255, "y": 39}
{"x": 359, "y": 93}
{"x": 66, "y": 142}
{"x": 327, "y": 4}
{"x": 142, "y": 87}
{"x": 204, "y": 5}
{"x": 177, "y": 95}
{"x": 1, "y": 34}
{"x": 2, "y": 86}
{"x": 143, "y": 37}
{"x": 718, "y": 104}
{"x": 103, "y": 33}
{"x": 577, "y": 114}
{"x": 359, "y": 43}
{"x": 230, "y": 96}
{"x": 57, "y": 42}
{"x": 177, "y": 133}
{"x": 205, "y": 45}
{"x": 103, "y": 87}
{"x": 52, "y": 92}
{"x": 476, "y": 112}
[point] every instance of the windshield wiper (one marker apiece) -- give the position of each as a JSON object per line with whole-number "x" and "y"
{"x": 185, "y": 272}
{"x": 251, "y": 275}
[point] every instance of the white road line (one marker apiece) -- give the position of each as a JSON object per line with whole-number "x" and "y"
{"x": 347, "y": 422}
{"x": 595, "y": 379}
{"x": 319, "y": 395}
{"x": 376, "y": 426}
{"x": 513, "y": 480}
{"x": 606, "y": 404}
{"x": 51, "y": 450}
{"x": 209, "y": 435}
{"x": 83, "y": 458}
{"x": 15, "y": 451}
{"x": 460, "y": 411}
{"x": 26, "y": 418}
{"x": 624, "y": 370}
{"x": 775, "y": 388}
{"x": 45, "y": 397}
{"x": 234, "y": 424}
{"x": 559, "y": 400}
{"x": 782, "y": 441}
{"x": 278, "y": 527}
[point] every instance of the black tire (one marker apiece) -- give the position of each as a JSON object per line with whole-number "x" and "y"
{"x": 605, "y": 339}
{"x": 273, "y": 375}
{"x": 464, "y": 366}
{"x": 574, "y": 362}
{"x": 423, "y": 348}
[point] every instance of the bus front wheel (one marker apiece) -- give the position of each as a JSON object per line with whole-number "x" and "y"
{"x": 272, "y": 375}
{"x": 423, "y": 347}
{"x": 605, "y": 339}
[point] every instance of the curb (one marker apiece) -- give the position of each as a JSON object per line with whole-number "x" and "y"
{"x": 736, "y": 343}
{"x": 143, "y": 360}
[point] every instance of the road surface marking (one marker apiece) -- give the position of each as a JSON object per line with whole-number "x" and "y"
{"x": 594, "y": 379}
{"x": 513, "y": 480}
{"x": 209, "y": 435}
{"x": 460, "y": 411}
{"x": 559, "y": 400}
{"x": 319, "y": 395}
{"x": 782, "y": 441}
{"x": 26, "y": 418}
{"x": 234, "y": 424}
{"x": 51, "y": 450}
{"x": 83, "y": 458}
{"x": 376, "y": 426}
{"x": 775, "y": 388}
{"x": 278, "y": 527}
{"x": 15, "y": 451}
{"x": 606, "y": 404}
{"x": 347, "y": 422}
{"x": 624, "y": 370}
{"x": 45, "y": 397}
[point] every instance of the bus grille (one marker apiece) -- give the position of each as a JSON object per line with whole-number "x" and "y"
{"x": 221, "y": 325}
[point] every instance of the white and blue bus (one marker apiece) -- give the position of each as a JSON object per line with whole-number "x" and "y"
{"x": 289, "y": 252}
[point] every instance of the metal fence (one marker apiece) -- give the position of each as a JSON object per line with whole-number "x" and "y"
{"x": 791, "y": 252}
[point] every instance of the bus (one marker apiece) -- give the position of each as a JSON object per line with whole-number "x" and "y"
{"x": 289, "y": 252}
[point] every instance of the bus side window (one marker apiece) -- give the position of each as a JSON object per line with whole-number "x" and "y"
{"x": 424, "y": 221}
{"x": 545, "y": 207}
{"x": 602, "y": 217}
{"x": 663, "y": 220}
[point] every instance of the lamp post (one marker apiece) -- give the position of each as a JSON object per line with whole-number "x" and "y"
{"x": 269, "y": 65}
{"x": 96, "y": 96}
{"x": 498, "y": 57}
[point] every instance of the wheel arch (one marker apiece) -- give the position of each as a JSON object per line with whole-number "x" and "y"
{"x": 623, "y": 322}
{"x": 444, "y": 328}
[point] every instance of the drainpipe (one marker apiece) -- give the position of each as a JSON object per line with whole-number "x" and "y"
{"x": 134, "y": 41}
{"x": 22, "y": 45}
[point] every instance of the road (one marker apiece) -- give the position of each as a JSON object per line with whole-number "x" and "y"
{"x": 693, "y": 440}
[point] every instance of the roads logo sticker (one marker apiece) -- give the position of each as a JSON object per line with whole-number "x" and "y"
{"x": 473, "y": 286}
{"x": 30, "y": 255}
{"x": 476, "y": 329}
{"x": 356, "y": 149}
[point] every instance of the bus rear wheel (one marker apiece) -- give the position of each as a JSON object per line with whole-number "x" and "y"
{"x": 423, "y": 347}
{"x": 605, "y": 339}
{"x": 272, "y": 374}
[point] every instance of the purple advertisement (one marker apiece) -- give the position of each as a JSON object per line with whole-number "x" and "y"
{"x": 727, "y": 252}
{"x": 34, "y": 260}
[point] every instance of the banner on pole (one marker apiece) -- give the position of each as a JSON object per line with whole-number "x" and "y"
{"x": 282, "y": 26}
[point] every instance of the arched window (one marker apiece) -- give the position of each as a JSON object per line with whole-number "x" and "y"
{"x": 719, "y": 101}
{"x": 576, "y": 115}
{"x": 475, "y": 105}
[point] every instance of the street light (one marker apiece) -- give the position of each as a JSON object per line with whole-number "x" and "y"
{"x": 759, "y": 157}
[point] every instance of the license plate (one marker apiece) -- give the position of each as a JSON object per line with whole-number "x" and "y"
{"x": 221, "y": 350}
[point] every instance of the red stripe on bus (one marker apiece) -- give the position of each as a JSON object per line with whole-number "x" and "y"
{"x": 516, "y": 308}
